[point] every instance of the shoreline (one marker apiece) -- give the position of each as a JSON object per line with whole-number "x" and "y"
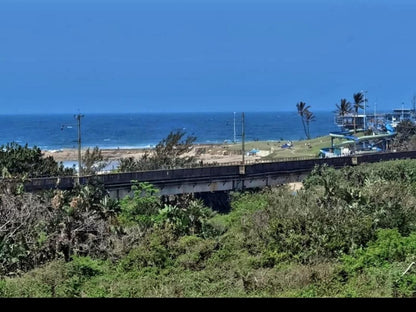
{"x": 213, "y": 152}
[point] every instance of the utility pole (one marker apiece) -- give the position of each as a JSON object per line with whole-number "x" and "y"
{"x": 365, "y": 104}
{"x": 234, "y": 128}
{"x": 242, "y": 166}
{"x": 78, "y": 118}
{"x": 242, "y": 138}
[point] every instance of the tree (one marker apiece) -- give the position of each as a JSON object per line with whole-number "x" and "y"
{"x": 93, "y": 161}
{"x": 344, "y": 108}
{"x": 306, "y": 117}
{"x": 142, "y": 206}
{"x": 37, "y": 228}
{"x": 309, "y": 116}
{"x": 406, "y": 135}
{"x": 19, "y": 161}
{"x": 168, "y": 154}
{"x": 358, "y": 100}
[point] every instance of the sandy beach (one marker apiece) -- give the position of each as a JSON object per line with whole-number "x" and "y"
{"x": 208, "y": 153}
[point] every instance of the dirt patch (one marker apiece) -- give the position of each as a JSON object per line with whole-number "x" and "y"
{"x": 295, "y": 186}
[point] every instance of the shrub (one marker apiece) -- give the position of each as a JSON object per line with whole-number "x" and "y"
{"x": 169, "y": 153}
{"x": 140, "y": 208}
{"x": 390, "y": 246}
{"x": 153, "y": 251}
{"x": 18, "y": 161}
{"x": 194, "y": 251}
{"x": 188, "y": 220}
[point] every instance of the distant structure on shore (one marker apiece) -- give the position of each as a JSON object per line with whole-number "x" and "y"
{"x": 363, "y": 122}
{"x": 378, "y": 129}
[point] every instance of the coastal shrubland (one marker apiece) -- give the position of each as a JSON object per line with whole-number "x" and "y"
{"x": 17, "y": 161}
{"x": 346, "y": 233}
{"x": 169, "y": 153}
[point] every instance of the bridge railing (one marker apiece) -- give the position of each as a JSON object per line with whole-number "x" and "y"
{"x": 246, "y": 162}
{"x": 221, "y": 171}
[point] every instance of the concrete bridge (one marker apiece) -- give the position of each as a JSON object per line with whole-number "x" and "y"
{"x": 215, "y": 178}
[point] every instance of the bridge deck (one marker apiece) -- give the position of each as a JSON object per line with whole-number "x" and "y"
{"x": 216, "y": 178}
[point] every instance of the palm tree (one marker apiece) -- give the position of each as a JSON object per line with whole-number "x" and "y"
{"x": 302, "y": 109}
{"x": 358, "y": 99}
{"x": 344, "y": 107}
{"x": 306, "y": 116}
{"x": 309, "y": 116}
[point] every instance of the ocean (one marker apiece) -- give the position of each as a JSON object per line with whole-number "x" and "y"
{"x": 54, "y": 132}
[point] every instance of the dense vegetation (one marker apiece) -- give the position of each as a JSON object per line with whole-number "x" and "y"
{"x": 347, "y": 233}
{"x": 18, "y": 161}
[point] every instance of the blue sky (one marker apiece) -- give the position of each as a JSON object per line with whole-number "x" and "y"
{"x": 66, "y": 56}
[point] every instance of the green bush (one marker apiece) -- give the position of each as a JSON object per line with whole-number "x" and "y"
{"x": 19, "y": 161}
{"x": 390, "y": 246}
{"x": 194, "y": 251}
{"x": 142, "y": 206}
{"x": 153, "y": 251}
{"x": 383, "y": 262}
{"x": 44, "y": 281}
{"x": 84, "y": 267}
{"x": 189, "y": 220}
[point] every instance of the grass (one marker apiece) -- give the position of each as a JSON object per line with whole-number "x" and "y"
{"x": 302, "y": 148}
